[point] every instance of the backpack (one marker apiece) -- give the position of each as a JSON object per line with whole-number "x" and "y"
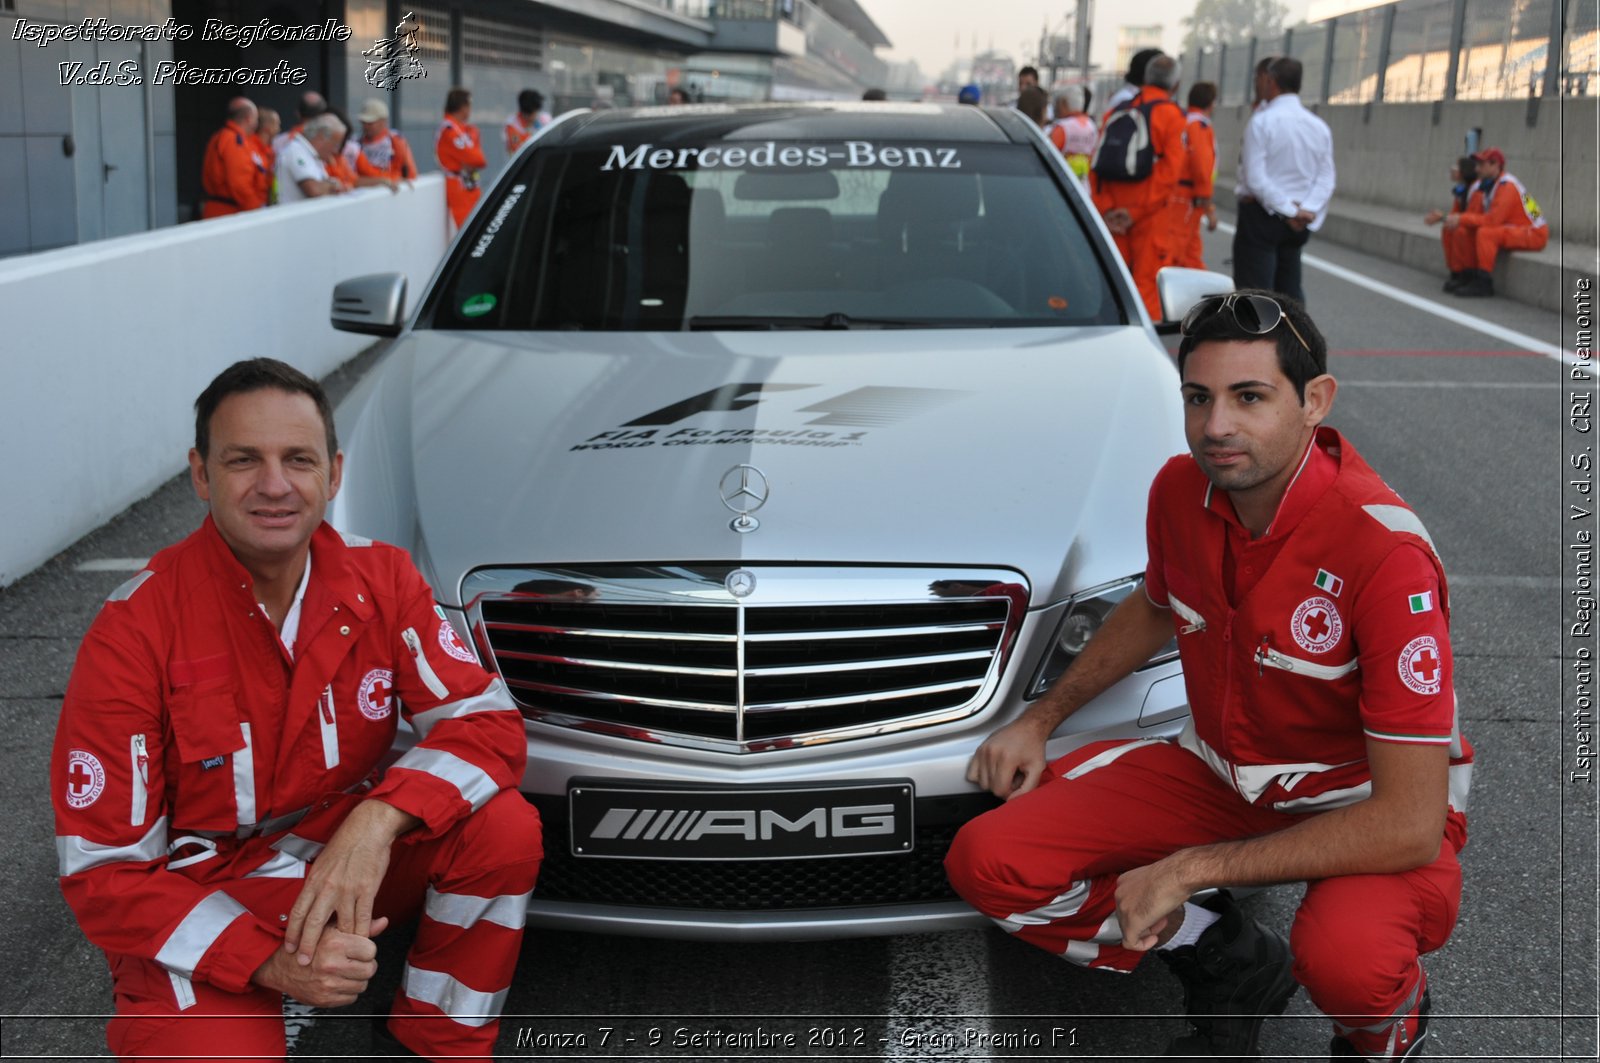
{"x": 1124, "y": 151}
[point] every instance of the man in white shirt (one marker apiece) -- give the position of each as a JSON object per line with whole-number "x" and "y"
{"x": 302, "y": 164}
{"x": 1288, "y": 157}
{"x": 1241, "y": 180}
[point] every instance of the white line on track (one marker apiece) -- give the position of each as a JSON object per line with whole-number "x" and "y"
{"x": 1489, "y": 384}
{"x": 1428, "y": 306}
{"x": 114, "y": 564}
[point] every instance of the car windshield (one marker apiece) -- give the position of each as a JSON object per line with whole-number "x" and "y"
{"x": 742, "y": 234}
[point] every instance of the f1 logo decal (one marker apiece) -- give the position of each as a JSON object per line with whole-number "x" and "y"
{"x": 727, "y": 397}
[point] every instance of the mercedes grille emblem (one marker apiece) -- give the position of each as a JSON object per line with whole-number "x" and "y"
{"x": 740, "y": 582}
{"x": 744, "y": 490}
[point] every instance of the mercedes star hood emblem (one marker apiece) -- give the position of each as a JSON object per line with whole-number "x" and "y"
{"x": 744, "y": 490}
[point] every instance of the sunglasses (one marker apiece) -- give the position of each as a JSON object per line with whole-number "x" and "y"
{"x": 1256, "y": 314}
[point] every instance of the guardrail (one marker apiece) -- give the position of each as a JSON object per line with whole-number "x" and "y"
{"x": 108, "y": 343}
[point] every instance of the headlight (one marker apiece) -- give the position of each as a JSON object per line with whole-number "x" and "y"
{"x": 1085, "y": 614}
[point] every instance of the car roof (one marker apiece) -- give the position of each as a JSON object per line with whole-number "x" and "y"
{"x": 831, "y": 120}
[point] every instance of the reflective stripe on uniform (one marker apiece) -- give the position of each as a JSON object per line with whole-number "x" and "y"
{"x": 198, "y": 931}
{"x": 280, "y": 865}
{"x": 465, "y": 1005}
{"x": 124, "y": 592}
{"x": 495, "y": 698}
{"x": 1250, "y": 781}
{"x": 1100, "y": 760}
{"x": 244, "y": 781}
{"x": 296, "y": 846}
{"x": 76, "y": 855}
{"x": 1062, "y": 907}
{"x": 1401, "y": 519}
{"x": 474, "y": 783}
{"x": 509, "y": 910}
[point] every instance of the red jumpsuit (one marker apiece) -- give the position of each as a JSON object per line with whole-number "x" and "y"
{"x": 198, "y": 767}
{"x": 1459, "y": 253}
{"x": 1328, "y": 632}
{"x": 1148, "y": 245}
{"x": 461, "y": 159}
{"x": 233, "y": 174}
{"x": 1201, "y": 141}
{"x": 1510, "y": 221}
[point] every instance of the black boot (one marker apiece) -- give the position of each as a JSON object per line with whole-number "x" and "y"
{"x": 1233, "y": 977}
{"x": 1478, "y": 284}
{"x": 1456, "y": 277}
{"x": 1407, "y": 1047}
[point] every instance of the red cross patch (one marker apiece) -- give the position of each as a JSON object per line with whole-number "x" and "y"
{"x": 86, "y": 779}
{"x": 452, "y": 644}
{"x": 375, "y": 698}
{"x": 1316, "y": 625}
{"x": 1421, "y": 667}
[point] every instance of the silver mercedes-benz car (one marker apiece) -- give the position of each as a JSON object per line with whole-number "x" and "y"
{"x": 774, "y": 456}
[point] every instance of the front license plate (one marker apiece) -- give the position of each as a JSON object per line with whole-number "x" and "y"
{"x": 648, "y": 822}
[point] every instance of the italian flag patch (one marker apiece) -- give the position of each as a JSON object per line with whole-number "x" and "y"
{"x": 1329, "y": 582}
{"x": 1421, "y": 603}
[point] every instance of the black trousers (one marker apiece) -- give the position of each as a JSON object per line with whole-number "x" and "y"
{"x": 1266, "y": 252}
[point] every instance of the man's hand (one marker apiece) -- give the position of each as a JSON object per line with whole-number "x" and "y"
{"x": 1451, "y": 220}
{"x": 337, "y": 974}
{"x": 1433, "y": 217}
{"x": 1301, "y": 219}
{"x": 1119, "y": 220}
{"x": 1147, "y": 898}
{"x": 1010, "y": 761}
{"x": 343, "y": 881}
{"x": 1211, "y": 217}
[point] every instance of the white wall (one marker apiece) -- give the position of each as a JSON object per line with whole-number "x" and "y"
{"x": 105, "y": 345}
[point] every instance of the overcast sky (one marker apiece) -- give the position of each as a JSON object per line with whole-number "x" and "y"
{"x": 929, "y": 30}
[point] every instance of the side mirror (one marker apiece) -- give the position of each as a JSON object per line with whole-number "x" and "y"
{"x": 374, "y": 305}
{"x": 1181, "y": 288}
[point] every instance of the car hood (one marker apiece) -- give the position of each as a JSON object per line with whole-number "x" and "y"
{"x": 1025, "y": 448}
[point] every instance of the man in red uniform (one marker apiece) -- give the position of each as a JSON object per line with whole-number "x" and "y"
{"x": 222, "y": 829}
{"x": 233, "y": 173}
{"x": 1311, "y": 614}
{"x": 529, "y": 117}
{"x": 1195, "y": 203}
{"x": 460, "y": 155}
{"x": 1509, "y": 220}
{"x": 1137, "y": 206}
{"x": 385, "y": 155}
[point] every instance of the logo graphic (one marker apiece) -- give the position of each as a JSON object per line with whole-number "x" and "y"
{"x": 213, "y": 762}
{"x": 1421, "y": 603}
{"x": 86, "y": 779}
{"x": 1316, "y": 625}
{"x": 1327, "y": 581}
{"x": 1420, "y": 666}
{"x": 452, "y": 644}
{"x": 740, "y": 583}
{"x": 392, "y": 60}
{"x": 744, "y": 490}
{"x": 375, "y": 698}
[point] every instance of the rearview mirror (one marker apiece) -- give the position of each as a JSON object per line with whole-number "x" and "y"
{"x": 374, "y": 305}
{"x": 1181, "y": 288}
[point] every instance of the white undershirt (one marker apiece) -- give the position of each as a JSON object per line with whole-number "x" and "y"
{"x": 291, "y": 622}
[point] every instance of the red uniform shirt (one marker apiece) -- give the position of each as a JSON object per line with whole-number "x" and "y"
{"x": 233, "y": 174}
{"x": 193, "y": 750}
{"x": 1298, "y": 647}
{"x": 1201, "y": 140}
{"x": 386, "y": 156}
{"x": 1506, "y": 202}
{"x": 461, "y": 159}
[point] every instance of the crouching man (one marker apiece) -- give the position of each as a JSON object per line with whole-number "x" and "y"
{"x": 223, "y": 832}
{"x": 1311, "y": 614}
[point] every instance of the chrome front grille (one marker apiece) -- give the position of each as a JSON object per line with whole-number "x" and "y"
{"x": 669, "y": 654}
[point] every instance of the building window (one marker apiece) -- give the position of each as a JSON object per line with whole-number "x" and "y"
{"x": 486, "y": 43}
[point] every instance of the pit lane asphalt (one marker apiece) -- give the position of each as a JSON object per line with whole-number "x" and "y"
{"x": 1464, "y": 426}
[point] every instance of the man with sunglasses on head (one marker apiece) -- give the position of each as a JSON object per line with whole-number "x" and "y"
{"x": 1311, "y": 615}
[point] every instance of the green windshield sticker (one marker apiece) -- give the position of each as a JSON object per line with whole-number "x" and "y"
{"x": 478, "y": 305}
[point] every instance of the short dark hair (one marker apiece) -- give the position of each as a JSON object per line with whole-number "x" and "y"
{"x": 257, "y": 374}
{"x": 1202, "y": 94}
{"x": 310, "y": 105}
{"x": 1468, "y": 165}
{"x": 456, "y": 99}
{"x": 1265, "y": 63}
{"x": 529, "y": 100}
{"x": 1300, "y": 364}
{"x": 1136, "y": 65}
{"x": 1029, "y": 70}
{"x": 1287, "y": 71}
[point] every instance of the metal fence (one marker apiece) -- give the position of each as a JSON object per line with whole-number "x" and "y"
{"x": 1416, "y": 51}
